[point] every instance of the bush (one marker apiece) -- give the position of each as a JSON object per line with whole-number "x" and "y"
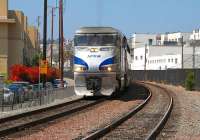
{"x": 190, "y": 81}
{"x": 31, "y": 74}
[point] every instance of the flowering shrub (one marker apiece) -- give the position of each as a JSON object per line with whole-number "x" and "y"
{"x": 31, "y": 74}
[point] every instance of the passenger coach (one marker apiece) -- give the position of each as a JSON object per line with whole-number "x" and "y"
{"x": 101, "y": 56}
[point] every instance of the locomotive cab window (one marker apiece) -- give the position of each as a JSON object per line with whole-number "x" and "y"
{"x": 95, "y": 40}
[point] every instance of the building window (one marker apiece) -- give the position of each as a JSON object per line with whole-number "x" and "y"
{"x": 141, "y": 57}
{"x": 135, "y": 57}
{"x": 172, "y": 60}
{"x": 176, "y": 60}
{"x": 169, "y": 60}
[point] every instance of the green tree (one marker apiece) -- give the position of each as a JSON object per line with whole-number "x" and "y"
{"x": 35, "y": 60}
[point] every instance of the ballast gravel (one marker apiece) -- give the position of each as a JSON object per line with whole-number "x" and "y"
{"x": 184, "y": 123}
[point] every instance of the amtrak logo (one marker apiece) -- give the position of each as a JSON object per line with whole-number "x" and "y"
{"x": 94, "y": 56}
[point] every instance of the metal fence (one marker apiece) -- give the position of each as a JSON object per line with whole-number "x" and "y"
{"x": 170, "y": 76}
{"x": 35, "y": 98}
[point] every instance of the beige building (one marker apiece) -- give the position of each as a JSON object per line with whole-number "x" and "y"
{"x": 18, "y": 41}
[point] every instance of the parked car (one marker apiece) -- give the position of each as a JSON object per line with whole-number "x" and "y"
{"x": 1, "y": 84}
{"x": 24, "y": 85}
{"x": 57, "y": 83}
{"x": 1, "y": 88}
{"x": 16, "y": 88}
{"x": 18, "y": 91}
{"x": 49, "y": 85}
{"x": 8, "y": 95}
{"x": 36, "y": 87}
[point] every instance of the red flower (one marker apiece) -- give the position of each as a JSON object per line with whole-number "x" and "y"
{"x": 31, "y": 74}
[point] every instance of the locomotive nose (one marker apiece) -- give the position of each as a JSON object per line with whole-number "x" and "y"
{"x": 93, "y": 84}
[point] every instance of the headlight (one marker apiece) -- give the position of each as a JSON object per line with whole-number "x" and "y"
{"x": 106, "y": 69}
{"x": 80, "y": 69}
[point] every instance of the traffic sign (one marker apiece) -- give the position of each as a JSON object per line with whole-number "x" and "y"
{"x": 43, "y": 66}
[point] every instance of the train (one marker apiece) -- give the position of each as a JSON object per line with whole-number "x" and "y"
{"x": 101, "y": 61}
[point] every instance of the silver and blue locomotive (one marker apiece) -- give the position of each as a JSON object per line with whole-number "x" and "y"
{"x": 101, "y": 61}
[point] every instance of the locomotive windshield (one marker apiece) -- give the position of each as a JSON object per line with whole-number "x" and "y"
{"x": 95, "y": 40}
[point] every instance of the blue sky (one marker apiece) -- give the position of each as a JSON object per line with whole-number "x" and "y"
{"x": 141, "y": 16}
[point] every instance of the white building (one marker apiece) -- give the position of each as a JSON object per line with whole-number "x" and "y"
{"x": 173, "y": 38}
{"x": 140, "y": 40}
{"x": 195, "y": 35}
{"x": 165, "y": 57}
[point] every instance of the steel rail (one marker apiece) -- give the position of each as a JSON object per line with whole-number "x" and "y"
{"x": 30, "y": 123}
{"x": 103, "y": 131}
{"x": 154, "y": 133}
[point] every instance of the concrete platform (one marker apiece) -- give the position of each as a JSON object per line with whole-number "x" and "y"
{"x": 56, "y": 102}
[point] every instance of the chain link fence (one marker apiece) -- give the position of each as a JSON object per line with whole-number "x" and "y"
{"x": 15, "y": 101}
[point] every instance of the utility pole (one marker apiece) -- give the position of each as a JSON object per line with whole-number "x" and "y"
{"x": 193, "y": 55}
{"x": 59, "y": 36}
{"x": 182, "y": 65}
{"x": 45, "y": 36}
{"x": 38, "y": 26}
{"x": 145, "y": 57}
{"x": 61, "y": 40}
{"x": 52, "y": 34}
{"x": 38, "y": 20}
{"x": 145, "y": 61}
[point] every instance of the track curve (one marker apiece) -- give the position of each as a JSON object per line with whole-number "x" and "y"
{"x": 118, "y": 129}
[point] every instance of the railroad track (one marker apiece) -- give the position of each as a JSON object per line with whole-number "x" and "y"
{"x": 13, "y": 124}
{"x": 143, "y": 122}
{"x": 77, "y": 125}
